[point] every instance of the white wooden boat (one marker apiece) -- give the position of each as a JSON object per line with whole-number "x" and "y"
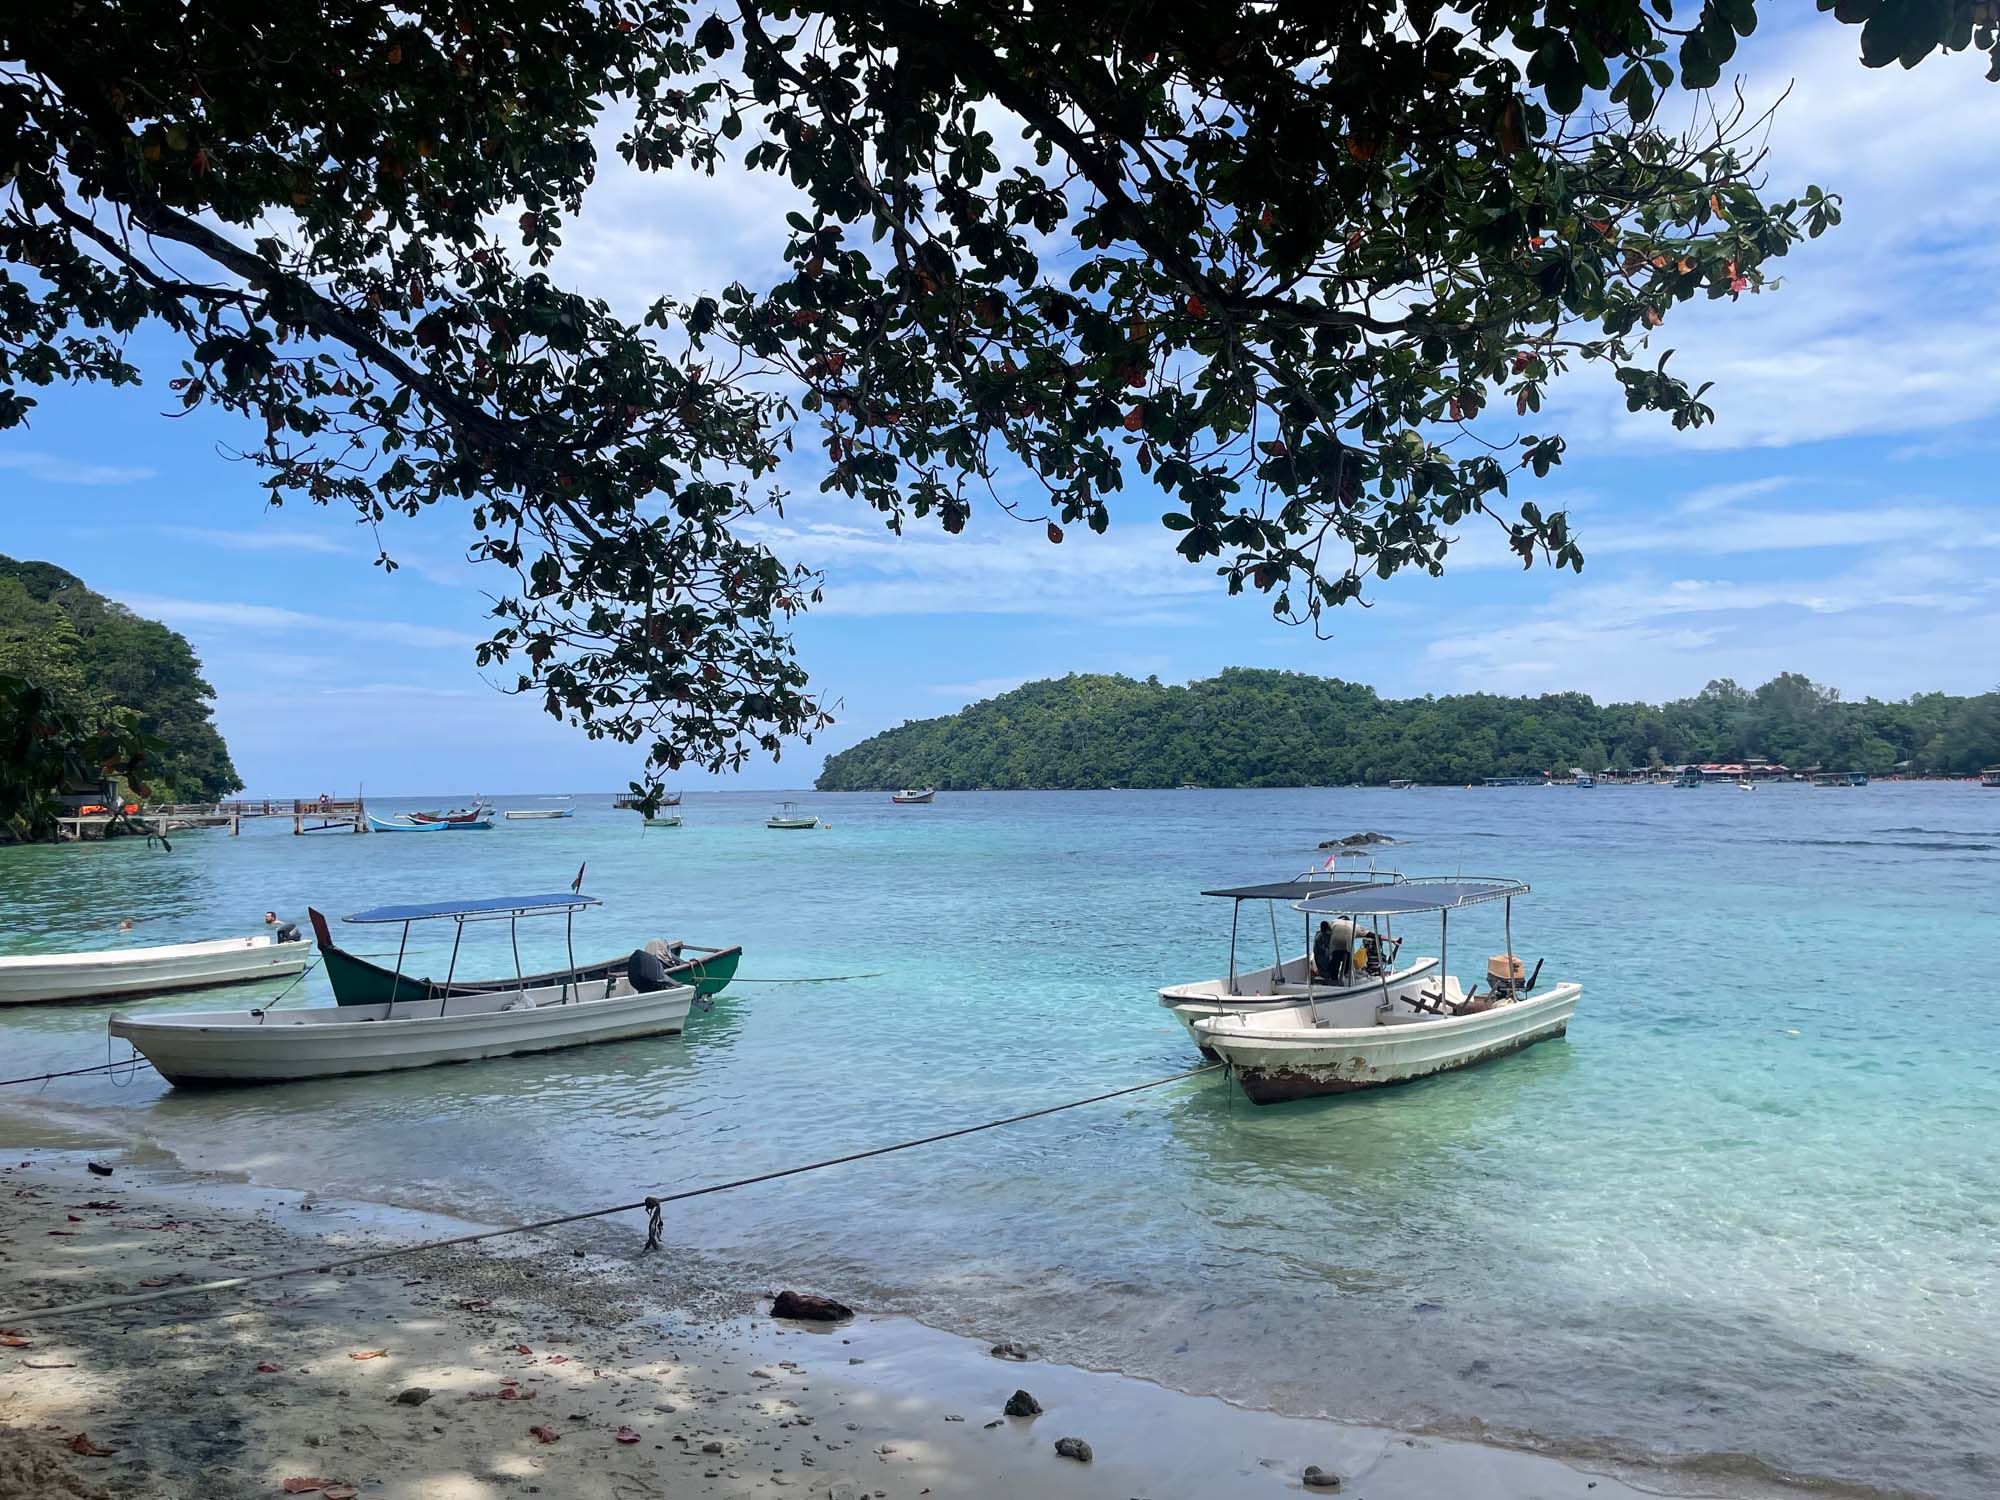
{"x": 282, "y": 1046}
{"x": 449, "y": 1024}
{"x": 1361, "y": 1040}
{"x": 525, "y": 814}
{"x": 910, "y": 796}
{"x": 36, "y": 977}
{"x": 1990, "y": 778}
{"x": 1351, "y": 963}
{"x": 664, "y": 820}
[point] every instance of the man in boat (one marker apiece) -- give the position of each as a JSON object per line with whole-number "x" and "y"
{"x": 1331, "y": 960}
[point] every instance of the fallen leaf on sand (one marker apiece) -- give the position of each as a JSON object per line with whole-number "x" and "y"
{"x": 515, "y": 1393}
{"x": 152, "y": 1283}
{"x": 368, "y": 1353}
{"x": 509, "y": 1380}
{"x": 558, "y": 1359}
{"x": 81, "y": 1443}
{"x": 546, "y": 1434}
{"x": 267, "y": 1368}
{"x": 74, "y": 1218}
{"x": 476, "y": 1304}
{"x": 339, "y": 1492}
{"x": 11, "y": 1341}
{"x": 303, "y": 1486}
{"x": 627, "y": 1435}
{"x": 64, "y": 1232}
{"x": 48, "y": 1364}
{"x": 522, "y": 1349}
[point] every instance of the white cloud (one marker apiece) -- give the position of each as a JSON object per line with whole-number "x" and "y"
{"x": 270, "y": 619}
{"x": 274, "y": 538}
{"x": 983, "y": 687}
{"x": 53, "y": 468}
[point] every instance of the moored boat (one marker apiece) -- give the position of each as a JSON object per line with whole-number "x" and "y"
{"x": 470, "y": 814}
{"x": 1990, "y": 778}
{"x": 911, "y": 795}
{"x": 668, "y": 820}
{"x": 1344, "y": 960}
{"x": 1363, "y": 1040}
{"x": 37, "y": 978}
{"x": 399, "y": 825}
{"x": 566, "y": 1009}
{"x": 526, "y": 814}
{"x": 356, "y": 981}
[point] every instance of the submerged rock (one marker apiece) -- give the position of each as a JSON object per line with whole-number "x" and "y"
{"x": 805, "y": 1307}
{"x": 1357, "y": 841}
{"x": 1020, "y": 1353}
{"x": 1021, "y": 1404}
{"x": 1075, "y": 1448}
{"x": 1317, "y": 1478}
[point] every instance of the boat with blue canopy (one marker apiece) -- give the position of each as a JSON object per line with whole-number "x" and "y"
{"x": 1378, "y": 1034}
{"x": 445, "y": 1023}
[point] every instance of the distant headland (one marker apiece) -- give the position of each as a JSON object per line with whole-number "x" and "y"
{"x": 1252, "y": 727}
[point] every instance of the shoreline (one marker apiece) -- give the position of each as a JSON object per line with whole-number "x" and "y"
{"x": 924, "y": 1404}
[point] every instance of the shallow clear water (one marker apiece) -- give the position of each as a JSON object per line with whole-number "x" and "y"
{"x": 1744, "y": 1219}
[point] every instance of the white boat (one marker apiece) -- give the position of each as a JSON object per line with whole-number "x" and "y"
{"x": 37, "y": 977}
{"x": 664, "y": 820}
{"x": 1745, "y": 784}
{"x": 789, "y": 816}
{"x": 522, "y": 814}
{"x": 274, "y": 1045}
{"x": 1350, "y": 961}
{"x": 1581, "y": 779}
{"x": 1356, "y": 1041}
{"x": 910, "y": 795}
{"x": 1990, "y": 778}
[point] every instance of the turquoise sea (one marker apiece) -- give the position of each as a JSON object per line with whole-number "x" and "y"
{"x": 1743, "y": 1223}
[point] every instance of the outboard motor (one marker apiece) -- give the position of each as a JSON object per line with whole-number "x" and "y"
{"x": 647, "y": 971}
{"x": 1504, "y": 976}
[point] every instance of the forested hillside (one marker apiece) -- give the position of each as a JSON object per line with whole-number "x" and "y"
{"x": 91, "y": 656}
{"x": 1248, "y": 727}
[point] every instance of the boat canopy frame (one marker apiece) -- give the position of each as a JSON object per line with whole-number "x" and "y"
{"x": 508, "y": 909}
{"x": 1443, "y": 894}
{"x": 1310, "y": 883}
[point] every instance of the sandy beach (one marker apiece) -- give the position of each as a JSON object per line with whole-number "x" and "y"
{"x": 527, "y": 1368}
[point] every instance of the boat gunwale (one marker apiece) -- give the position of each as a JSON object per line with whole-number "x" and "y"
{"x": 1212, "y": 1028}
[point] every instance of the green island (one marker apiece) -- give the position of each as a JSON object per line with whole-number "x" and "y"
{"x": 91, "y": 691}
{"x": 1253, "y": 727}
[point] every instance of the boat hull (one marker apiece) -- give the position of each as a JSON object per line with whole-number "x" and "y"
{"x": 1273, "y": 989}
{"x": 225, "y": 1048}
{"x": 793, "y": 823}
{"x": 57, "y": 978}
{"x": 1274, "y": 1063}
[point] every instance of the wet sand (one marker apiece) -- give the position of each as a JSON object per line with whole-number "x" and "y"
{"x": 527, "y": 1368}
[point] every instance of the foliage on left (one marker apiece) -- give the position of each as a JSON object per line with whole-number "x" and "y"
{"x": 89, "y": 692}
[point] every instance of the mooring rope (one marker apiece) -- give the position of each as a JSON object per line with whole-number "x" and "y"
{"x": 652, "y": 1204}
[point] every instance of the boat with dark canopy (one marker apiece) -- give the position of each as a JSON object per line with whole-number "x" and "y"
{"x": 356, "y": 981}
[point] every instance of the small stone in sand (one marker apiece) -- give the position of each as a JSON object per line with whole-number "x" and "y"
{"x": 809, "y": 1308}
{"x": 98, "y": 1169}
{"x": 1075, "y": 1448}
{"x": 416, "y": 1395}
{"x": 711, "y": 1447}
{"x": 1020, "y": 1353}
{"x": 1317, "y": 1478}
{"x": 1021, "y": 1404}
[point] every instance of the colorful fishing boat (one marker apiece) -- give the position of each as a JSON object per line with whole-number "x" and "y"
{"x": 406, "y": 825}
{"x": 356, "y": 981}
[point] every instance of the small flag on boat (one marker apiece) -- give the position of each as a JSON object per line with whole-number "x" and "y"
{"x": 577, "y": 884}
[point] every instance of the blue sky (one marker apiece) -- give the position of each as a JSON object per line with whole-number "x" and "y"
{"x": 1840, "y": 519}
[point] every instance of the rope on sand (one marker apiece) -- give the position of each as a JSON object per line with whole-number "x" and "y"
{"x": 652, "y": 1204}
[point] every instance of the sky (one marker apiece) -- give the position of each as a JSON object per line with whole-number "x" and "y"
{"x": 1839, "y": 519}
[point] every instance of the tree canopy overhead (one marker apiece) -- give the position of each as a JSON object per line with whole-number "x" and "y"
{"x": 1275, "y": 259}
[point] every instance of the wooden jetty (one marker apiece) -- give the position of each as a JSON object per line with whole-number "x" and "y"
{"x": 308, "y": 815}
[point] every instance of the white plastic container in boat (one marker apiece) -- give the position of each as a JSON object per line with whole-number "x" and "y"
{"x": 39, "y": 977}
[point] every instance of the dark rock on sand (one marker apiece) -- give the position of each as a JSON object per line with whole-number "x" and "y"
{"x": 98, "y": 1169}
{"x": 1020, "y": 1353}
{"x": 1021, "y": 1404}
{"x": 1317, "y": 1478}
{"x": 1075, "y": 1448}
{"x": 416, "y": 1395}
{"x": 809, "y": 1309}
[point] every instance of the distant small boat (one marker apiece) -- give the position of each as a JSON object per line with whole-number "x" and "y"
{"x": 1990, "y": 778}
{"x": 457, "y": 815}
{"x": 670, "y": 799}
{"x": 36, "y": 978}
{"x": 1745, "y": 784}
{"x": 523, "y": 814}
{"x": 1690, "y": 777}
{"x": 1581, "y": 779}
{"x": 788, "y": 816}
{"x": 908, "y": 795}
{"x": 1841, "y": 778}
{"x": 398, "y": 825}
{"x": 671, "y": 820}
{"x": 1401, "y": 784}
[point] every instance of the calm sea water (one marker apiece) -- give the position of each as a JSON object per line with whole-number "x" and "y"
{"x": 1746, "y": 1219}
